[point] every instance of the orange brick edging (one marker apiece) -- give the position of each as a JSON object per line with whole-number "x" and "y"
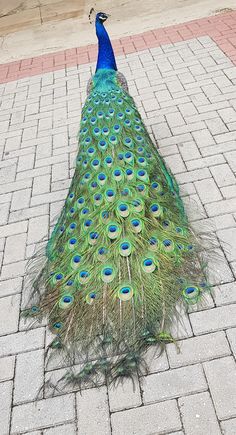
{"x": 221, "y": 28}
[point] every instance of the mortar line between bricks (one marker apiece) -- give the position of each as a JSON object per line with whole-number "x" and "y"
{"x": 12, "y": 395}
{"x": 230, "y": 346}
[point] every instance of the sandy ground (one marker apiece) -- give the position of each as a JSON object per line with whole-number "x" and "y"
{"x": 128, "y": 17}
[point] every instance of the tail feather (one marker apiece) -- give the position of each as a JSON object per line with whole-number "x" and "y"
{"x": 122, "y": 253}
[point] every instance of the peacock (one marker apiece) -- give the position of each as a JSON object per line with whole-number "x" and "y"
{"x": 122, "y": 254}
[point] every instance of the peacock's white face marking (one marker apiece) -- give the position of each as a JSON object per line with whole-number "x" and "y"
{"x": 102, "y": 16}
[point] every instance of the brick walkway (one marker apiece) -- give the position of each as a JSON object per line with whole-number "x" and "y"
{"x": 186, "y": 93}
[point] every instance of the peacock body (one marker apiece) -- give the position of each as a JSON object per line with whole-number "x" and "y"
{"x": 122, "y": 254}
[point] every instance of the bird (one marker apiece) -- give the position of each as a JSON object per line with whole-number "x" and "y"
{"x": 122, "y": 255}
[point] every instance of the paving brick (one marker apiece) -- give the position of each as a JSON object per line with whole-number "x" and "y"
{"x": 221, "y": 207}
{"x": 197, "y": 349}
{"x": 227, "y": 238}
{"x": 229, "y": 427}
{"x": 175, "y": 119}
{"x": 13, "y": 187}
{"x": 60, "y": 171}
{"x": 5, "y": 406}
{"x": 15, "y": 248}
{"x": 173, "y": 383}
{"x": 48, "y": 197}
{"x": 27, "y": 213}
{"x": 21, "y": 199}
{"x": 231, "y": 158}
{"x": 38, "y": 228}
{"x": 228, "y": 115}
{"x": 4, "y": 211}
{"x": 42, "y": 414}
{"x": 144, "y": 421}
{"x": 205, "y": 162}
{"x": 66, "y": 429}
{"x": 203, "y": 138}
{"x": 187, "y": 109}
{"x": 216, "y": 126}
{"x": 198, "y": 415}
{"x": 161, "y": 131}
{"x": 225, "y": 294}
{"x": 208, "y": 191}
{"x": 34, "y": 173}
{"x": 100, "y": 423}
{"x": 10, "y": 286}
{"x": 41, "y": 184}
{"x": 7, "y": 366}
{"x": 214, "y": 319}
{"x": 21, "y": 342}
{"x": 221, "y": 377}
{"x": 29, "y": 376}
{"x": 189, "y": 151}
{"x": 9, "y": 314}
{"x": 7, "y": 174}
{"x": 175, "y": 163}
{"x": 223, "y": 175}
{"x": 25, "y": 162}
{"x": 231, "y": 335}
{"x": 229, "y": 191}
{"x": 124, "y": 395}
{"x": 198, "y": 174}
{"x": 194, "y": 208}
{"x": 155, "y": 360}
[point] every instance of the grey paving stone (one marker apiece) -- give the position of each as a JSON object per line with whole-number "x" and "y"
{"x": 25, "y": 162}
{"x": 221, "y": 207}
{"x": 228, "y": 115}
{"x": 7, "y": 366}
{"x": 152, "y": 419}
{"x": 225, "y": 294}
{"x": 13, "y": 270}
{"x": 10, "y": 286}
{"x": 29, "y": 376}
{"x": 21, "y": 199}
{"x": 198, "y": 415}
{"x": 231, "y": 334}
{"x": 208, "y": 191}
{"x": 38, "y": 229}
{"x": 43, "y": 413}
{"x": 203, "y": 138}
{"x": 41, "y": 184}
{"x": 5, "y": 405}
{"x": 124, "y": 395}
{"x": 173, "y": 383}
{"x": 197, "y": 349}
{"x": 198, "y": 174}
{"x": 221, "y": 377}
{"x": 21, "y": 342}
{"x": 227, "y": 238}
{"x": 228, "y": 427}
{"x": 66, "y": 429}
{"x": 155, "y": 360}
{"x": 15, "y": 248}
{"x": 14, "y": 186}
{"x": 189, "y": 151}
{"x": 100, "y": 423}
{"x": 214, "y": 319}
{"x": 4, "y": 211}
{"x": 231, "y": 158}
{"x": 218, "y": 269}
{"x": 9, "y": 314}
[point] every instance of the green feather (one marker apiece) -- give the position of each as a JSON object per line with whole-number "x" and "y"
{"x": 122, "y": 254}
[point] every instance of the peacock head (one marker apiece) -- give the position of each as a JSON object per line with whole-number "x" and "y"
{"x": 102, "y": 17}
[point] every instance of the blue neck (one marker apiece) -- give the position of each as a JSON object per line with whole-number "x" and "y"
{"x": 106, "y": 58}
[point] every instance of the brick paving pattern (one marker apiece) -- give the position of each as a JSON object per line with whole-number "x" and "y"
{"x": 185, "y": 91}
